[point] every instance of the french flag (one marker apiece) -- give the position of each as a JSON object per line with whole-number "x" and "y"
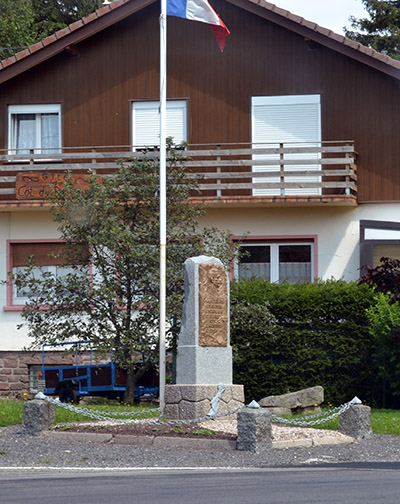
{"x": 199, "y": 10}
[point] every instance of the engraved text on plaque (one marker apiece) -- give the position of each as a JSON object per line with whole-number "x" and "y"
{"x": 213, "y": 298}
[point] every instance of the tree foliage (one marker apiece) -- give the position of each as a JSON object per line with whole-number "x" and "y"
{"x": 52, "y": 15}
{"x": 384, "y": 320}
{"x": 24, "y": 22}
{"x": 384, "y": 278}
{"x": 381, "y": 31}
{"x": 16, "y": 26}
{"x": 111, "y": 232}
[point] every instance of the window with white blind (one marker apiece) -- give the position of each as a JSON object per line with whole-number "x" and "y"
{"x": 36, "y": 127}
{"x": 291, "y": 120}
{"x": 146, "y": 123}
{"x": 48, "y": 257}
{"x": 277, "y": 262}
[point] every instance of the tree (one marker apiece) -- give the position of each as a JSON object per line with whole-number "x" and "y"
{"x": 52, "y": 15}
{"x": 384, "y": 320}
{"x": 16, "y": 26}
{"x": 384, "y": 326}
{"x": 384, "y": 278}
{"x": 24, "y": 22}
{"x": 110, "y": 294}
{"x": 382, "y": 30}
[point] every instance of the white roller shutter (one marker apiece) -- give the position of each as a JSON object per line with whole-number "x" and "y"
{"x": 294, "y": 120}
{"x": 146, "y": 123}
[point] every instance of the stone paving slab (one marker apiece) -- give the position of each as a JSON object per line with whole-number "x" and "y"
{"x": 190, "y": 443}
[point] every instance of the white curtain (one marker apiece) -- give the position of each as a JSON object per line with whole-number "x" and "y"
{"x": 50, "y": 137}
{"x": 25, "y": 133}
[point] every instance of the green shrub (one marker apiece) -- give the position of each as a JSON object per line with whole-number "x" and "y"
{"x": 287, "y": 337}
{"x": 384, "y": 319}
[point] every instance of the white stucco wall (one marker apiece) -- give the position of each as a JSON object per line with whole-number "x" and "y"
{"x": 337, "y": 230}
{"x": 19, "y": 225}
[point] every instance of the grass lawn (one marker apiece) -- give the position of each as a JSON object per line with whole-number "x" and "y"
{"x": 11, "y": 412}
{"x": 383, "y": 421}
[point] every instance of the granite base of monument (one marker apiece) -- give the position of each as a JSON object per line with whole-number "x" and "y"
{"x": 204, "y": 365}
{"x": 188, "y": 402}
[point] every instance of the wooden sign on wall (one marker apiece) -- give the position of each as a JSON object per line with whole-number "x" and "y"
{"x": 34, "y": 185}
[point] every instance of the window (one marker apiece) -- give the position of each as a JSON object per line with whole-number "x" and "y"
{"x": 378, "y": 239}
{"x": 35, "y": 127}
{"x": 293, "y": 120}
{"x": 277, "y": 262}
{"x": 146, "y": 123}
{"x": 36, "y": 380}
{"x": 45, "y": 259}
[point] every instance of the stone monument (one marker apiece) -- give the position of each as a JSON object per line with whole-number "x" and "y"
{"x": 204, "y": 355}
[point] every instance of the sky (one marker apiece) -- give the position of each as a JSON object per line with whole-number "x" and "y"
{"x": 333, "y": 14}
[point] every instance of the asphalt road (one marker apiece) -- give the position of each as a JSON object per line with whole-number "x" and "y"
{"x": 351, "y": 484}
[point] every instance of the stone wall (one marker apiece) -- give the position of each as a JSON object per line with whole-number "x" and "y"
{"x": 14, "y": 370}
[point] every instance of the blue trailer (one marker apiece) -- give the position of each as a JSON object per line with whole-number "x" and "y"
{"x": 72, "y": 382}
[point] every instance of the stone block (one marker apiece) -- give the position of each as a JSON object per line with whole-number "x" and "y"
{"x": 356, "y": 422}
{"x": 195, "y": 400}
{"x": 280, "y": 411}
{"x": 38, "y": 415}
{"x": 20, "y": 372}
{"x": 254, "y": 430}
{"x": 190, "y": 410}
{"x": 203, "y": 365}
{"x": 293, "y": 400}
{"x": 171, "y": 411}
{"x": 196, "y": 393}
{"x": 172, "y": 394}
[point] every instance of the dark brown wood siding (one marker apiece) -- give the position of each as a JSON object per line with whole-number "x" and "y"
{"x": 120, "y": 64}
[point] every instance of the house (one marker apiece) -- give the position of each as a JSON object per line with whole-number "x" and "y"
{"x": 296, "y": 127}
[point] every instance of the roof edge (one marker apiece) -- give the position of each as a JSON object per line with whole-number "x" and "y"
{"x": 72, "y": 34}
{"x": 321, "y": 35}
{"x": 119, "y": 9}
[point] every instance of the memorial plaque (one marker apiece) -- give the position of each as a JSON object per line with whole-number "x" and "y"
{"x": 36, "y": 185}
{"x": 213, "y": 299}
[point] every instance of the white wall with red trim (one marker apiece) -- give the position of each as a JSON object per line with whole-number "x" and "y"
{"x": 335, "y": 232}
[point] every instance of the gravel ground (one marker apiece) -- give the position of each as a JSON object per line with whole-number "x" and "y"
{"x": 18, "y": 450}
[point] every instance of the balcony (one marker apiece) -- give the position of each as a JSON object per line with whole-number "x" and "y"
{"x": 229, "y": 175}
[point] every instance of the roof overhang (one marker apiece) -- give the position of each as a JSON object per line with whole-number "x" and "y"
{"x": 121, "y": 9}
{"x": 322, "y": 36}
{"x": 70, "y": 36}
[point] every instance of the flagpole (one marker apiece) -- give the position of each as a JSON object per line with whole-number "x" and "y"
{"x": 163, "y": 195}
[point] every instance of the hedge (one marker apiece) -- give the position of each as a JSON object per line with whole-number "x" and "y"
{"x": 288, "y": 337}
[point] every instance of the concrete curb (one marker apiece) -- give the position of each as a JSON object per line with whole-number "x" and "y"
{"x": 189, "y": 443}
{"x": 310, "y": 442}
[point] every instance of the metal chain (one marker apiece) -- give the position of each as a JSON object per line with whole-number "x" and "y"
{"x": 307, "y": 421}
{"x": 111, "y": 416}
{"x": 99, "y": 415}
{"x": 131, "y": 413}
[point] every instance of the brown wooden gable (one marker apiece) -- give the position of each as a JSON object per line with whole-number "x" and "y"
{"x": 68, "y": 37}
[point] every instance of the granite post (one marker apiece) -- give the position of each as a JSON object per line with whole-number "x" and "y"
{"x": 204, "y": 354}
{"x": 37, "y": 416}
{"x": 356, "y": 422}
{"x": 254, "y": 429}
